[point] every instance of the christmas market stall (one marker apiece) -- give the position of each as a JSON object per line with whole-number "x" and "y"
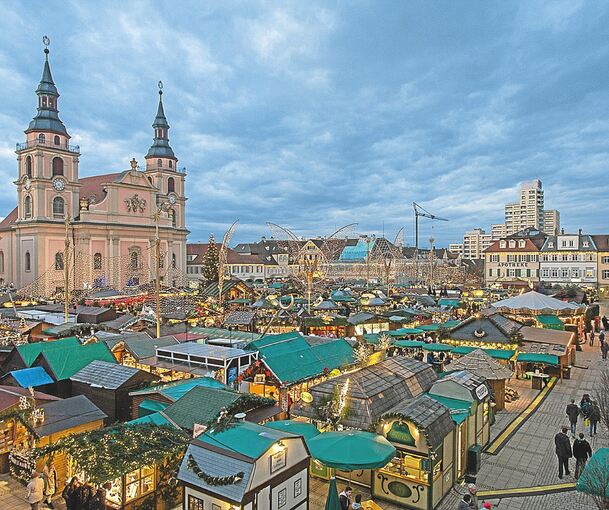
{"x": 421, "y": 473}
{"x": 290, "y": 363}
{"x": 561, "y": 344}
{"x": 468, "y": 398}
{"x": 245, "y": 466}
{"x": 356, "y": 400}
{"x": 363, "y": 323}
{"x": 140, "y": 462}
{"x": 16, "y": 426}
{"x": 496, "y": 374}
{"x": 494, "y": 331}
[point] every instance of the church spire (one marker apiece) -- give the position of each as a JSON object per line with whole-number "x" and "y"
{"x": 47, "y": 117}
{"x": 160, "y": 147}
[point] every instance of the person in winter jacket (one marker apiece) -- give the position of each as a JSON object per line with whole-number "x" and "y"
{"x": 594, "y": 416}
{"x": 582, "y": 451}
{"x": 573, "y": 413}
{"x": 563, "y": 451}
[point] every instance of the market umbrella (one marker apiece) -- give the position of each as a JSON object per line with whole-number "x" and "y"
{"x": 595, "y": 478}
{"x": 332, "y": 503}
{"x": 351, "y": 450}
{"x": 409, "y": 344}
{"x": 300, "y": 428}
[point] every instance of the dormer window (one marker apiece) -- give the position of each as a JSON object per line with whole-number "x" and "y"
{"x": 521, "y": 243}
{"x": 586, "y": 244}
{"x": 512, "y": 244}
{"x": 550, "y": 244}
{"x": 502, "y": 244}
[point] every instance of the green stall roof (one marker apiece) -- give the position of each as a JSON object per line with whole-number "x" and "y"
{"x": 534, "y": 357}
{"x": 551, "y": 322}
{"x": 409, "y": 344}
{"x": 29, "y": 352}
{"x": 151, "y": 419}
{"x": 405, "y": 331}
{"x": 437, "y": 347}
{"x": 64, "y": 363}
{"x": 459, "y": 409}
{"x": 503, "y": 354}
{"x": 148, "y": 407}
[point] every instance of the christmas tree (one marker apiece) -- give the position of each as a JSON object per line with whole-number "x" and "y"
{"x": 210, "y": 261}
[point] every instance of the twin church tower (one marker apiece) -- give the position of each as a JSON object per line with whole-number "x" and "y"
{"x": 110, "y": 220}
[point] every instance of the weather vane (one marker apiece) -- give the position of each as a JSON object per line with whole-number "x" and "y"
{"x": 160, "y": 87}
{"x": 46, "y": 41}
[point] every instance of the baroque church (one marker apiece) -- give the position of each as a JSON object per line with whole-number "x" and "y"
{"x": 94, "y": 232}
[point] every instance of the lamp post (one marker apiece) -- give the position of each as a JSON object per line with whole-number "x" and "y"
{"x": 161, "y": 207}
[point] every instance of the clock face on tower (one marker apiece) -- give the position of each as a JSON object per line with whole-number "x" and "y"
{"x": 172, "y": 199}
{"x": 59, "y": 185}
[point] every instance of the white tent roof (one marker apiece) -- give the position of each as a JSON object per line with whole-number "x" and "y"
{"x": 534, "y": 301}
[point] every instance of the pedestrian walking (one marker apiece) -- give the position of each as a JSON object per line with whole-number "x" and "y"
{"x": 591, "y": 335}
{"x": 594, "y": 417}
{"x": 563, "y": 452}
{"x": 472, "y": 490}
{"x": 34, "y": 493}
{"x": 604, "y": 346}
{"x": 49, "y": 475}
{"x": 464, "y": 503}
{"x": 70, "y": 493}
{"x": 582, "y": 451}
{"x": 573, "y": 413}
{"x": 84, "y": 496}
{"x": 584, "y": 405}
{"x": 605, "y": 322}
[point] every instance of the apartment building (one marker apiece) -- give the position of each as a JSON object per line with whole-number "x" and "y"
{"x": 551, "y": 221}
{"x": 569, "y": 258}
{"x": 601, "y": 243}
{"x": 475, "y": 242}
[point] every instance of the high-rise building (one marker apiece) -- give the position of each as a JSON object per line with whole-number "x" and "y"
{"x": 529, "y": 211}
{"x": 498, "y": 231}
{"x": 551, "y": 222}
{"x": 475, "y": 242}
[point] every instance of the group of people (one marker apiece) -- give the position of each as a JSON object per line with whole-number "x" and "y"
{"x": 347, "y": 501}
{"x": 42, "y": 486}
{"x": 470, "y": 500}
{"x": 78, "y": 496}
{"x": 603, "y": 341}
{"x": 588, "y": 409}
{"x": 580, "y": 450}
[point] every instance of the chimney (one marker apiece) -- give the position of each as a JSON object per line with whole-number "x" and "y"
{"x": 579, "y": 232}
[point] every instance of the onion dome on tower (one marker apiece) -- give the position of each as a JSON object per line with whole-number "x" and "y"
{"x": 160, "y": 147}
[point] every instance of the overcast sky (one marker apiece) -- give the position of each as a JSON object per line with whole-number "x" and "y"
{"x": 318, "y": 114}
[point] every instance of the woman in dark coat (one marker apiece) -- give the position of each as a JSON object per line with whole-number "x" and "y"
{"x": 70, "y": 494}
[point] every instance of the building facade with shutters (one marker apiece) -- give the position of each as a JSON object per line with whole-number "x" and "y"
{"x": 110, "y": 220}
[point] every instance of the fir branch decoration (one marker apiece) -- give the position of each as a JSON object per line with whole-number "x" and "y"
{"x": 23, "y": 416}
{"x": 246, "y": 402}
{"x": 213, "y": 480}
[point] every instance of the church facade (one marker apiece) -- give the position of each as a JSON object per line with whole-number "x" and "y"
{"x": 94, "y": 232}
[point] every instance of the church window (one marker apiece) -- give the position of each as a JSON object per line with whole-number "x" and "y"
{"x": 173, "y": 260}
{"x": 57, "y": 166}
{"x": 170, "y": 164}
{"x": 159, "y": 163}
{"x": 44, "y": 101}
{"x": 97, "y": 261}
{"x": 41, "y": 138}
{"x": 28, "y": 166}
{"x": 1, "y": 262}
{"x": 56, "y": 140}
{"x": 134, "y": 260}
{"x": 27, "y": 206}
{"x": 28, "y": 261}
{"x": 59, "y": 261}
{"x": 58, "y": 207}
{"x": 171, "y": 185}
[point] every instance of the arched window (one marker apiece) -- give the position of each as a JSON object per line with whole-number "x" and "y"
{"x": 58, "y": 207}
{"x": 59, "y": 261}
{"x": 27, "y": 207}
{"x": 56, "y": 140}
{"x": 1, "y": 262}
{"x": 135, "y": 260}
{"x": 150, "y": 179}
{"x": 170, "y": 164}
{"x": 41, "y": 138}
{"x": 57, "y": 166}
{"x": 97, "y": 261}
{"x": 28, "y": 166}
{"x": 173, "y": 260}
{"x": 171, "y": 185}
{"x": 28, "y": 261}
{"x": 159, "y": 163}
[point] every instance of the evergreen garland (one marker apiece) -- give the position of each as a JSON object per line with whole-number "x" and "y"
{"x": 213, "y": 480}
{"x": 246, "y": 402}
{"x": 23, "y": 416}
{"x": 110, "y": 453}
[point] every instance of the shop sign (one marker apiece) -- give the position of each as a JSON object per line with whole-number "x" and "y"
{"x": 481, "y": 391}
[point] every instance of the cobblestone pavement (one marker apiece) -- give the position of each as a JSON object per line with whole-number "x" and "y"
{"x": 528, "y": 459}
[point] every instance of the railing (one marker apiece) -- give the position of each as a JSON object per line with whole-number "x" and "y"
{"x": 39, "y": 143}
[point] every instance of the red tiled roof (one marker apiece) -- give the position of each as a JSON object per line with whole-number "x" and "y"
{"x": 92, "y": 186}
{"x": 496, "y": 246}
{"x": 9, "y": 219}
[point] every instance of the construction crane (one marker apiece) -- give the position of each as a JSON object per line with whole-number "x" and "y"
{"x": 420, "y": 211}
